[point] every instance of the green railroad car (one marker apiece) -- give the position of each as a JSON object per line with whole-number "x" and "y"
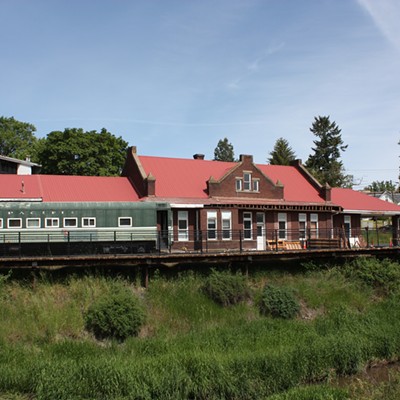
{"x": 83, "y": 227}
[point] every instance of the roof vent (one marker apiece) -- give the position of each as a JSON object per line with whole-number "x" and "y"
{"x": 198, "y": 156}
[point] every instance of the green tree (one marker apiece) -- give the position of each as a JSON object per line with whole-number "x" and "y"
{"x": 224, "y": 151}
{"x": 17, "y": 139}
{"x": 381, "y": 186}
{"x": 282, "y": 153}
{"x": 325, "y": 163}
{"x": 76, "y": 152}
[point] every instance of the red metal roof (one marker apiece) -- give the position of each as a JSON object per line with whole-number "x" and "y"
{"x": 186, "y": 178}
{"x": 179, "y": 177}
{"x": 65, "y": 188}
{"x": 352, "y": 200}
{"x": 296, "y": 186}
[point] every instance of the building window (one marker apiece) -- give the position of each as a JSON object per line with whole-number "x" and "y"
{"x": 124, "y": 222}
{"x": 1, "y": 223}
{"x": 247, "y": 183}
{"x": 51, "y": 223}
{"x": 211, "y": 225}
{"x": 226, "y": 217}
{"x": 260, "y": 217}
{"x": 183, "y": 226}
{"x": 14, "y": 223}
{"x": 282, "y": 221}
{"x": 302, "y": 226}
{"x": 88, "y": 222}
{"x": 314, "y": 225}
{"x": 33, "y": 223}
{"x": 347, "y": 225}
{"x": 256, "y": 185}
{"x": 70, "y": 222}
{"x": 247, "y": 226}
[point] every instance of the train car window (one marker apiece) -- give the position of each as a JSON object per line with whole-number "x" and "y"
{"x": 88, "y": 222}
{"x": 33, "y": 222}
{"x": 124, "y": 221}
{"x": 52, "y": 223}
{"x": 14, "y": 223}
{"x": 70, "y": 222}
{"x": 1, "y": 223}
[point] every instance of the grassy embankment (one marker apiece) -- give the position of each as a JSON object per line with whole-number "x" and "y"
{"x": 193, "y": 348}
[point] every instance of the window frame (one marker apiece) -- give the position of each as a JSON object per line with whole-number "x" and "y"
{"x": 247, "y": 183}
{"x": 183, "y": 232}
{"x": 70, "y": 218}
{"x": 226, "y": 216}
{"x": 52, "y": 219}
{"x": 90, "y": 220}
{"x": 121, "y": 225}
{"x": 302, "y": 230}
{"x": 248, "y": 231}
{"x": 282, "y": 229}
{"x": 28, "y": 220}
{"x": 14, "y": 219}
{"x": 212, "y": 225}
{"x": 314, "y": 233}
{"x": 1, "y": 223}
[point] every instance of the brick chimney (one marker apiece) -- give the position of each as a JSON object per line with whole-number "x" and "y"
{"x": 198, "y": 156}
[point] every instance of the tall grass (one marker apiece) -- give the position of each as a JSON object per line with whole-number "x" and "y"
{"x": 192, "y": 348}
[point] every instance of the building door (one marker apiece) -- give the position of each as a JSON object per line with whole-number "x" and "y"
{"x": 261, "y": 231}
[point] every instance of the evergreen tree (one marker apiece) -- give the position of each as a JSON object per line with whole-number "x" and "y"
{"x": 224, "y": 151}
{"x": 325, "y": 163}
{"x": 282, "y": 153}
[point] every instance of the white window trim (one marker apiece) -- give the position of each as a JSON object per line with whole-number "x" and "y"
{"x": 89, "y": 220}
{"x": 226, "y": 216}
{"x": 256, "y": 185}
{"x": 248, "y": 182}
{"x": 70, "y": 226}
{"x": 57, "y": 225}
{"x": 28, "y": 220}
{"x": 239, "y": 184}
{"x": 347, "y": 221}
{"x": 212, "y": 216}
{"x": 282, "y": 217}
{"x": 183, "y": 234}
{"x": 1, "y": 223}
{"x": 124, "y": 225}
{"x": 14, "y": 219}
{"x": 303, "y": 218}
{"x": 314, "y": 218}
{"x": 250, "y": 219}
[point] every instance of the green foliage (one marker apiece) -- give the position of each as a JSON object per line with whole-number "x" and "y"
{"x": 226, "y": 288}
{"x": 316, "y": 392}
{"x": 383, "y": 275}
{"x": 282, "y": 153}
{"x": 224, "y": 151}
{"x": 115, "y": 316}
{"x": 325, "y": 163}
{"x": 17, "y": 139}
{"x": 76, "y": 152}
{"x": 279, "y": 302}
{"x": 382, "y": 186}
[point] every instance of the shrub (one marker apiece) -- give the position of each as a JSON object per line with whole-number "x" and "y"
{"x": 117, "y": 316}
{"x": 278, "y": 302}
{"x": 226, "y": 288}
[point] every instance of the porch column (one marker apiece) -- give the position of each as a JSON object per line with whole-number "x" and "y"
{"x": 395, "y": 230}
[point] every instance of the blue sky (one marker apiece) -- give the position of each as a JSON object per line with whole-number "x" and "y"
{"x": 174, "y": 76}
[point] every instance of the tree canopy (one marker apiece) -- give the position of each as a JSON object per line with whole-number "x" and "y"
{"x": 76, "y": 152}
{"x": 282, "y": 153}
{"x": 325, "y": 163}
{"x": 17, "y": 139}
{"x": 224, "y": 151}
{"x": 381, "y": 186}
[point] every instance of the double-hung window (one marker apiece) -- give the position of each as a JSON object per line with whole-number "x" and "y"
{"x": 347, "y": 225}
{"x": 314, "y": 225}
{"x": 51, "y": 223}
{"x": 246, "y": 181}
{"x": 247, "y": 225}
{"x": 212, "y": 225}
{"x": 302, "y": 226}
{"x": 282, "y": 221}
{"x": 33, "y": 223}
{"x": 183, "y": 226}
{"x": 226, "y": 217}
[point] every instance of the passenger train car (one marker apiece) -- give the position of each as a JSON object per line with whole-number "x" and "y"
{"x": 59, "y": 228}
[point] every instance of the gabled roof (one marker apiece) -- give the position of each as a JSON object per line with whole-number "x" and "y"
{"x": 179, "y": 177}
{"x": 187, "y": 178}
{"x": 65, "y": 188}
{"x": 358, "y": 202}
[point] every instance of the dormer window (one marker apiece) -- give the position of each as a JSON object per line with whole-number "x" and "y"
{"x": 247, "y": 183}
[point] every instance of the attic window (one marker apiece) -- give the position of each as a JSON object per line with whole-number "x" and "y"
{"x": 247, "y": 183}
